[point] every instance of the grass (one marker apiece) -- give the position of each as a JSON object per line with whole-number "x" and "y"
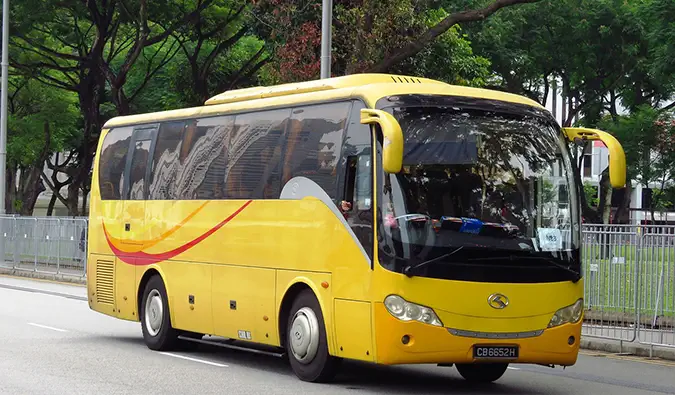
{"x": 628, "y": 278}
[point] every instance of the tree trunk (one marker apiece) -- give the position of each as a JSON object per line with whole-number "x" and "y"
{"x": 622, "y": 215}
{"x": 52, "y": 203}
{"x": 605, "y": 204}
{"x": 85, "y": 197}
{"x": 31, "y": 185}
{"x": 89, "y": 96}
{"x": 10, "y": 188}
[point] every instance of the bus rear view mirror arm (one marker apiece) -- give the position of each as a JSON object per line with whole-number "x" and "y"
{"x": 617, "y": 158}
{"x": 392, "y": 146}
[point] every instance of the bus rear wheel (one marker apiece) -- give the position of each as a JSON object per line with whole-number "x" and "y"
{"x": 306, "y": 344}
{"x": 482, "y": 372}
{"x": 158, "y": 333}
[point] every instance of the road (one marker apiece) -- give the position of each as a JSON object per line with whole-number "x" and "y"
{"x": 53, "y": 344}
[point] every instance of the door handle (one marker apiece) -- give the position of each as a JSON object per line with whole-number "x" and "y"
{"x": 127, "y": 227}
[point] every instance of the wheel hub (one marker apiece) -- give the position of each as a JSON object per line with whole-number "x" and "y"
{"x": 154, "y": 312}
{"x": 304, "y": 335}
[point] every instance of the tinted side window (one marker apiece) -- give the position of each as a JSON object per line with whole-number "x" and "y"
{"x": 139, "y": 163}
{"x": 254, "y": 155}
{"x": 314, "y": 144}
{"x": 356, "y": 185}
{"x": 113, "y": 162}
{"x": 202, "y": 158}
{"x": 209, "y": 177}
{"x": 165, "y": 161}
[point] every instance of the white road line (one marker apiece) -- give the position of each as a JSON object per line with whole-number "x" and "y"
{"x": 512, "y": 368}
{"x": 220, "y": 365}
{"x": 51, "y": 328}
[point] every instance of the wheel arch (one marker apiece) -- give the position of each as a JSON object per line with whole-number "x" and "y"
{"x": 291, "y": 292}
{"x": 150, "y": 272}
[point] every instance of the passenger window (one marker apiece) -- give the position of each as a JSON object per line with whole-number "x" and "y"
{"x": 202, "y": 157}
{"x": 208, "y": 177}
{"x": 139, "y": 163}
{"x": 314, "y": 144}
{"x": 165, "y": 161}
{"x": 254, "y": 158}
{"x": 113, "y": 162}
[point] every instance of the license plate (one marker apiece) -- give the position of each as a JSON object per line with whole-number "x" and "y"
{"x": 495, "y": 352}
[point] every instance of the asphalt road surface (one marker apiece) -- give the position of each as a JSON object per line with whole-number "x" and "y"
{"x": 51, "y": 343}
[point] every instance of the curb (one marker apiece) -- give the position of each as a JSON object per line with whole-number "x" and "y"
{"x": 62, "y": 278}
{"x": 632, "y": 348}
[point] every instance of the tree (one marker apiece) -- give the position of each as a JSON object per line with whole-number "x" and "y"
{"x": 606, "y": 54}
{"x": 89, "y": 48}
{"x": 219, "y": 52}
{"x": 42, "y": 121}
{"x": 369, "y": 35}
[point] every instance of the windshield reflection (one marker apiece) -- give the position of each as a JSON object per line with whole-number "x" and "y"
{"x": 487, "y": 182}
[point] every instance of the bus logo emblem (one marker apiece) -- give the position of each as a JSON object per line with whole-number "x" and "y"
{"x": 498, "y": 301}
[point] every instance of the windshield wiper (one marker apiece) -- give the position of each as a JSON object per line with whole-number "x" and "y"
{"x": 408, "y": 270}
{"x": 577, "y": 275}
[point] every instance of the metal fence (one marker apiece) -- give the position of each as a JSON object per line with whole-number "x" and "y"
{"x": 629, "y": 271}
{"x": 49, "y": 245}
{"x": 630, "y": 283}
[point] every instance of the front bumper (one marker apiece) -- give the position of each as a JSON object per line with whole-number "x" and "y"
{"x": 432, "y": 344}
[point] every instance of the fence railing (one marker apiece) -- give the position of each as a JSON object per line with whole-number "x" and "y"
{"x": 50, "y": 245}
{"x": 629, "y": 284}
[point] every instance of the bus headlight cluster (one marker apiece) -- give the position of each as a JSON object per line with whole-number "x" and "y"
{"x": 568, "y": 315}
{"x": 407, "y": 311}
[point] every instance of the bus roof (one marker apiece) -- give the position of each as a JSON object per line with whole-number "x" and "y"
{"x": 369, "y": 87}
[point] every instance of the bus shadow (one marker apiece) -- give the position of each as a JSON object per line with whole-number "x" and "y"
{"x": 428, "y": 379}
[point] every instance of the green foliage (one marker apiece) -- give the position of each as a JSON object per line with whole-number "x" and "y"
{"x": 32, "y": 108}
{"x": 450, "y": 58}
{"x": 79, "y": 63}
{"x": 591, "y": 193}
{"x": 364, "y": 33}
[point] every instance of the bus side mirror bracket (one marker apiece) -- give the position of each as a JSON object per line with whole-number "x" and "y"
{"x": 617, "y": 158}
{"x": 392, "y": 147}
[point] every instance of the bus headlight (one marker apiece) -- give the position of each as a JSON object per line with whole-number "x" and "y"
{"x": 568, "y": 315}
{"x": 406, "y": 311}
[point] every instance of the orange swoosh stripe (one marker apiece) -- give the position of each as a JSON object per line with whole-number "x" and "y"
{"x": 142, "y": 258}
{"x": 141, "y": 245}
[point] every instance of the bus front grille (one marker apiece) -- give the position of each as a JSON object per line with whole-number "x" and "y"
{"x": 105, "y": 282}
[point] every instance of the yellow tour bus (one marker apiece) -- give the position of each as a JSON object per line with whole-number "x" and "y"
{"x": 381, "y": 218}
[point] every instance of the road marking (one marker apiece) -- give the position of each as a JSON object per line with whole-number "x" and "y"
{"x": 220, "y": 365}
{"x": 47, "y": 327}
{"x": 512, "y": 368}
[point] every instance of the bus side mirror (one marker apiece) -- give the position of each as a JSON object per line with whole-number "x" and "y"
{"x": 392, "y": 154}
{"x": 617, "y": 158}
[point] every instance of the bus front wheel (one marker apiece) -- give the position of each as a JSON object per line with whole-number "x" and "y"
{"x": 155, "y": 317}
{"x": 306, "y": 344}
{"x": 482, "y": 372}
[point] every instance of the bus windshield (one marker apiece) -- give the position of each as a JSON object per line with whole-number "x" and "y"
{"x": 480, "y": 189}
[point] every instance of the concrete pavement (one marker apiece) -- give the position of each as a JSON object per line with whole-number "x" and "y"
{"x": 53, "y": 344}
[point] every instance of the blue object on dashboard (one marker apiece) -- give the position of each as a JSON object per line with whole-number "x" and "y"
{"x": 471, "y": 225}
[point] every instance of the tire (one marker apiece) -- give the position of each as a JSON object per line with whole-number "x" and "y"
{"x": 306, "y": 344}
{"x": 158, "y": 333}
{"x": 482, "y": 372}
